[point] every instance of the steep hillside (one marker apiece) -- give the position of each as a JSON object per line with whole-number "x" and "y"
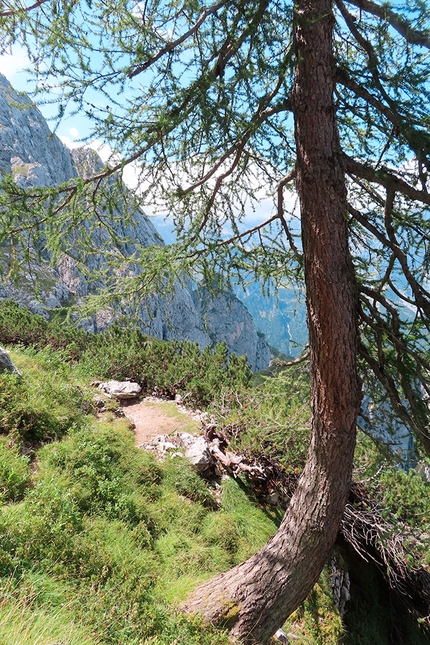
{"x": 37, "y": 158}
{"x": 101, "y": 541}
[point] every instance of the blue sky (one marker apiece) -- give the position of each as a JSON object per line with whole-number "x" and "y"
{"x": 13, "y": 67}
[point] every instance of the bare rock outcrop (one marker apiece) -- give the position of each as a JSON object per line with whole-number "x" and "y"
{"x": 122, "y": 390}
{"x": 228, "y": 319}
{"x": 6, "y": 365}
{"x": 36, "y": 157}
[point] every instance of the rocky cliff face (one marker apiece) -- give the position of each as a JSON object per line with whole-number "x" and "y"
{"x": 36, "y": 157}
{"x": 282, "y": 318}
{"x": 28, "y": 149}
{"x": 227, "y": 319}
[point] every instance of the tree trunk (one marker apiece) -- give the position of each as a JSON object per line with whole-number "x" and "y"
{"x": 254, "y": 598}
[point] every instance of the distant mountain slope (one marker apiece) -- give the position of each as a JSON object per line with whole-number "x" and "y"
{"x": 281, "y": 318}
{"x": 36, "y": 157}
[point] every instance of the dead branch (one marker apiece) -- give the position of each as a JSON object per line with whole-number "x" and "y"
{"x": 12, "y": 12}
{"x": 402, "y": 26}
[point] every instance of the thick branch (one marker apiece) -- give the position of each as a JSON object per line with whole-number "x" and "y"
{"x": 262, "y": 114}
{"x": 280, "y": 208}
{"x": 402, "y": 26}
{"x": 400, "y": 126}
{"x": 13, "y": 12}
{"x": 385, "y": 178}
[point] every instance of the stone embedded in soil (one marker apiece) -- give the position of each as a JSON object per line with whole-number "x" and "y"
{"x": 199, "y": 455}
{"x": 121, "y": 389}
{"x": 6, "y": 364}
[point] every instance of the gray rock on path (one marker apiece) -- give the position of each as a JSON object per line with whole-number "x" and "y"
{"x": 197, "y": 450}
{"x": 199, "y": 455}
{"x": 6, "y": 365}
{"x": 121, "y": 389}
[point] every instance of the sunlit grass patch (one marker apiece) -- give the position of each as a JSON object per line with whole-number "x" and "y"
{"x": 45, "y": 402}
{"x": 38, "y": 614}
{"x": 253, "y": 525}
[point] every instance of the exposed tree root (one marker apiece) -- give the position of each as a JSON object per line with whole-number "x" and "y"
{"x": 371, "y": 536}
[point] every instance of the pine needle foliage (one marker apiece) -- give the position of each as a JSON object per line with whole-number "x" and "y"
{"x": 199, "y": 96}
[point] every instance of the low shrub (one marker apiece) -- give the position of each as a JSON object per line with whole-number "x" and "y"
{"x": 272, "y": 419}
{"x": 107, "y": 474}
{"x": 41, "y": 406}
{"x": 18, "y": 325}
{"x": 407, "y": 495}
{"x": 167, "y": 368}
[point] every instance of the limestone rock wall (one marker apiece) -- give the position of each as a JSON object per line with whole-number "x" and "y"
{"x": 228, "y": 319}
{"x": 36, "y": 157}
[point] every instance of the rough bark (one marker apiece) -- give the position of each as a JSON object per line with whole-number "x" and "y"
{"x": 385, "y": 542}
{"x": 256, "y": 597}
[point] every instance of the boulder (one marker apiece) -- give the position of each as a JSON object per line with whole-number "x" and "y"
{"x": 6, "y": 364}
{"x": 121, "y": 389}
{"x": 200, "y": 456}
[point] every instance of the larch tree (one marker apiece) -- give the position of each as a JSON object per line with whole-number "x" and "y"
{"x": 220, "y": 103}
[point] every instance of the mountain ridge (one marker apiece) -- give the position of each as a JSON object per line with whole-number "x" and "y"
{"x": 35, "y": 157}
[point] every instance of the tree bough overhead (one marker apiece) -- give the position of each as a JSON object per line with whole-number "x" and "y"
{"x": 220, "y": 103}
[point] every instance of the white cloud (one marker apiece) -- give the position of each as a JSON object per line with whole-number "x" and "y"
{"x": 69, "y": 143}
{"x": 74, "y": 133}
{"x": 14, "y": 62}
{"x": 102, "y": 149}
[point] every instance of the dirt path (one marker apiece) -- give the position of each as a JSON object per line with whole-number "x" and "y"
{"x": 152, "y": 418}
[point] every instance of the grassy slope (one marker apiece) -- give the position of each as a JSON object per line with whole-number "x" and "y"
{"x": 99, "y": 542}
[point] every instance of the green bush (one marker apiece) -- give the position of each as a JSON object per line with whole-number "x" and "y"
{"x": 38, "y": 531}
{"x": 39, "y": 407}
{"x": 272, "y": 419}
{"x": 107, "y": 474}
{"x": 406, "y": 495}
{"x": 18, "y": 325}
{"x": 165, "y": 367}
